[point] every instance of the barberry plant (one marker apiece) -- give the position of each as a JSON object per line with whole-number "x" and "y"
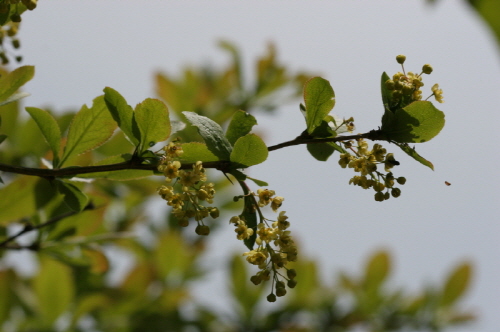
{"x": 187, "y": 189}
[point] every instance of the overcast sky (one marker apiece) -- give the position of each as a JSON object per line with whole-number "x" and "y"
{"x": 79, "y": 47}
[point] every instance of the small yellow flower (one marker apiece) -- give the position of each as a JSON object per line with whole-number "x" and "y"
{"x": 276, "y": 203}
{"x": 256, "y": 257}
{"x": 171, "y": 170}
{"x": 265, "y": 196}
{"x": 438, "y": 93}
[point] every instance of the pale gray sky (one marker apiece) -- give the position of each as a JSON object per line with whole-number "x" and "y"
{"x": 79, "y": 47}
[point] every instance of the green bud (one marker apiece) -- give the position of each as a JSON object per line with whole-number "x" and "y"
{"x": 271, "y": 298}
{"x": 15, "y": 43}
{"x": 256, "y": 280}
{"x": 214, "y": 212}
{"x": 281, "y": 291}
{"x": 390, "y": 85}
{"x": 379, "y": 196}
{"x": 184, "y": 222}
{"x": 401, "y": 180}
{"x": 395, "y": 192}
{"x": 292, "y": 283}
{"x": 387, "y": 195}
{"x": 291, "y": 273}
{"x": 401, "y": 59}
{"x": 15, "y": 18}
{"x": 202, "y": 230}
{"x": 427, "y": 69}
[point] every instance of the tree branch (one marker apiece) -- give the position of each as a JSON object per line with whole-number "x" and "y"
{"x": 28, "y": 228}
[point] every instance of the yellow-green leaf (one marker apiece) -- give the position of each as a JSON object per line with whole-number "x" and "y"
{"x": 456, "y": 284}
{"x": 12, "y": 81}
{"x": 49, "y": 128}
{"x": 153, "y": 122}
{"x": 54, "y": 289}
{"x": 90, "y": 128}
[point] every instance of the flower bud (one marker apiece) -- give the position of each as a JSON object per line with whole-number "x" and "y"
{"x": 401, "y": 59}
{"x": 390, "y": 85}
{"x": 202, "y": 230}
{"x": 256, "y": 280}
{"x": 271, "y": 298}
{"x": 291, "y": 273}
{"x": 292, "y": 283}
{"x": 281, "y": 291}
{"x": 401, "y": 180}
{"x": 395, "y": 192}
{"x": 427, "y": 69}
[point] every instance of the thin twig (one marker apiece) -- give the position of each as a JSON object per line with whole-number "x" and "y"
{"x": 28, "y": 228}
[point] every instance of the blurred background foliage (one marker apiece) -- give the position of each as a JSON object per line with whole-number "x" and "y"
{"x": 75, "y": 288}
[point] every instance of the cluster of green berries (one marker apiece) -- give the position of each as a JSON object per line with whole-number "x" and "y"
{"x": 366, "y": 162}
{"x": 275, "y": 246}
{"x": 186, "y": 190}
{"x": 405, "y": 87}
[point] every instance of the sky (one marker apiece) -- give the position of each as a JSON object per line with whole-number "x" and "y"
{"x": 79, "y": 47}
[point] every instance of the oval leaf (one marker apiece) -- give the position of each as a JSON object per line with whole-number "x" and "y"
{"x": 123, "y": 115}
{"x": 377, "y": 269}
{"x": 196, "y": 151}
{"x": 212, "y": 134}
{"x": 416, "y": 123}
{"x": 457, "y": 283}
{"x": 73, "y": 196}
{"x": 249, "y": 150}
{"x": 153, "y": 122}
{"x": 319, "y": 99}
{"x": 12, "y": 81}
{"x": 90, "y": 128}
{"x": 49, "y": 128}
{"x": 54, "y": 289}
{"x": 240, "y": 125}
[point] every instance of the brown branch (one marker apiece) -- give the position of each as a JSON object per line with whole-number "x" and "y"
{"x": 6, "y": 244}
{"x": 138, "y": 165}
{"x": 373, "y": 135}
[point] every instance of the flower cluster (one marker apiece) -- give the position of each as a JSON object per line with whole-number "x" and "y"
{"x": 365, "y": 162}
{"x": 186, "y": 203}
{"x": 405, "y": 87}
{"x": 275, "y": 246}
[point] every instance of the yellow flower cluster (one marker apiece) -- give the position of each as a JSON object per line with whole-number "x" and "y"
{"x": 405, "y": 87}
{"x": 365, "y": 161}
{"x": 275, "y": 246}
{"x": 186, "y": 202}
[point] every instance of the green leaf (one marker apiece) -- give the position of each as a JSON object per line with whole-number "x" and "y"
{"x": 153, "y": 122}
{"x": 377, "y": 269}
{"x": 12, "y": 81}
{"x": 386, "y": 94}
{"x": 320, "y": 151}
{"x": 23, "y": 197}
{"x": 54, "y": 289}
{"x": 196, "y": 151}
{"x": 73, "y": 196}
{"x": 456, "y": 284}
{"x": 260, "y": 183}
{"x": 412, "y": 153}
{"x": 416, "y": 123}
{"x": 240, "y": 125}
{"x": 246, "y": 294}
{"x": 120, "y": 175}
{"x": 324, "y": 130}
{"x": 249, "y": 150}
{"x": 49, "y": 128}
{"x": 249, "y": 214}
{"x": 212, "y": 133}
{"x": 123, "y": 115}
{"x": 319, "y": 100}
{"x": 90, "y": 128}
